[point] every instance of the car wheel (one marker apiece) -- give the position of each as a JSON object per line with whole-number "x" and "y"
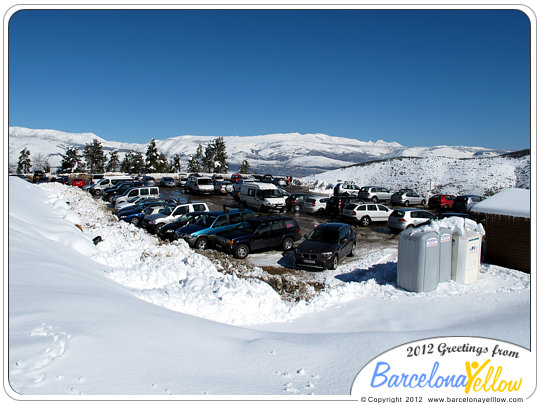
{"x": 375, "y": 199}
{"x": 135, "y": 221}
{"x": 98, "y": 192}
{"x": 158, "y": 227}
{"x": 423, "y": 202}
{"x": 241, "y": 251}
{"x": 296, "y": 208}
{"x": 201, "y": 243}
{"x": 334, "y": 262}
{"x": 287, "y": 244}
{"x": 365, "y": 221}
{"x": 410, "y": 226}
{"x": 406, "y": 203}
{"x": 352, "y": 250}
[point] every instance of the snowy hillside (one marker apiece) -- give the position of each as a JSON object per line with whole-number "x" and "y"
{"x": 282, "y": 154}
{"x": 136, "y": 316}
{"x": 431, "y": 175}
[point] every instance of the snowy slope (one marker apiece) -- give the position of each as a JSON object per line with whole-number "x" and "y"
{"x": 433, "y": 175}
{"x": 134, "y": 316}
{"x": 286, "y": 154}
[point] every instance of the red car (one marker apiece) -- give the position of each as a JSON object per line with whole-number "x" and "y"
{"x": 236, "y": 177}
{"x": 445, "y": 201}
{"x": 78, "y": 182}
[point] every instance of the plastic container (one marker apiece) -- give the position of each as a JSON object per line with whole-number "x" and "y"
{"x": 466, "y": 253}
{"x": 418, "y": 260}
{"x": 445, "y": 254}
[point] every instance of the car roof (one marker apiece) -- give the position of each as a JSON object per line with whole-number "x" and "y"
{"x": 333, "y": 225}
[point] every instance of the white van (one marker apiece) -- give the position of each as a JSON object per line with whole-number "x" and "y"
{"x": 199, "y": 185}
{"x": 262, "y": 196}
{"x": 106, "y": 182}
{"x": 152, "y": 191}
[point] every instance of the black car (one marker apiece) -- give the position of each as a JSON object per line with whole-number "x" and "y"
{"x": 335, "y": 205}
{"x": 325, "y": 246}
{"x": 139, "y": 207}
{"x": 119, "y": 189}
{"x": 259, "y": 234}
{"x": 295, "y": 201}
{"x": 168, "y": 231}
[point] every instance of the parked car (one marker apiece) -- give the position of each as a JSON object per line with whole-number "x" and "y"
{"x": 149, "y": 181}
{"x": 366, "y": 213}
{"x": 404, "y": 218}
{"x": 78, "y": 182}
{"x": 315, "y": 204}
{"x": 407, "y": 198}
{"x": 96, "y": 177}
{"x": 37, "y": 175}
{"x": 259, "y": 234}
{"x": 441, "y": 201}
{"x": 335, "y": 205}
{"x": 375, "y": 194}
{"x": 182, "y": 179}
{"x": 131, "y": 202}
{"x": 150, "y": 202}
{"x": 295, "y": 201}
{"x": 236, "y": 177}
{"x": 167, "y": 182}
{"x": 119, "y": 189}
{"x": 136, "y": 217}
{"x": 199, "y": 185}
{"x": 168, "y": 214}
{"x": 325, "y": 246}
{"x": 346, "y": 188}
{"x": 223, "y": 187}
{"x": 106, "y": 182}
{"x": 464, "y": 203}
{"x": 134, "y": 192}
{"x": 262, "y": 196}
{"x": 168, "y": 231}
{"x": 197, "y": 234}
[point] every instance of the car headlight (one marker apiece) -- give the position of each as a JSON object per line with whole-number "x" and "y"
{"x": 326, "y": 255}
{"x": 297, "y": 251}
{"x": 153, "y": 222}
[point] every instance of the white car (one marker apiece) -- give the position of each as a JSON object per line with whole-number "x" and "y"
{"x": 404, "y": 218}
{"x": 367, "y": 213}
{"x": 315, "y": 204}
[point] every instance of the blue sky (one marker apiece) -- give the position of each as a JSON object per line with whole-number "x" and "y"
{"x": 417, "y": 77}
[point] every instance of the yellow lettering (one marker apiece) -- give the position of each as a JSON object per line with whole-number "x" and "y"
{"x": 471, "y": 377}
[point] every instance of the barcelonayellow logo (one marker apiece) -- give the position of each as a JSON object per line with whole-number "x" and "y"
{"x": 453, "y": 366}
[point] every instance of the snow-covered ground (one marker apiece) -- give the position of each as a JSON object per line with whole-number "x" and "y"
{"x": 134, "y": 316}
{"x": 432, "y": 175}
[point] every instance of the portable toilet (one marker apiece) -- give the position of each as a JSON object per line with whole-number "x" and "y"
{"x": 466, "y": 251}
{"x": 418, "y": 260}
{"x": 445, "y": 254}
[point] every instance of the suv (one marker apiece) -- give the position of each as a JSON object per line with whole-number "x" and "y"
{"x": 405, "y": 218}
{"x": 346, "y": 188}
{"x": 367, "y": 213}
{"x": 325, "y": 246}
{"x": 335, "y": 205}
{"x": 295, "y": 201}
{"x": 375, "y": 194}
{"x": 197, "y": 234}
{"x": 168, "y": 231}
{"x": 315, "y": 204}
{"x": 444, "y": 201}
{"x": 464, "y": 203}
{"x": 169, "y": 213}
{"x": 167, "y": 182}
{"x": 136, "y": 192}
{"x": 119, "y": 189}
{"x": 199, "y": 185}
{"x": 258, "y": 234}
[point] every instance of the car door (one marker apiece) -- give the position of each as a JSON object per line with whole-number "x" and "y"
{"x": 373, "y": 212}
{"x": 345, "y": 244}
{"x": 383, "y": 212}
{"x": 261, "y": 239}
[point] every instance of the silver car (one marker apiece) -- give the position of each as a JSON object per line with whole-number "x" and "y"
{"x": 404, "y": 218}
{"x": 365, "y": 214}
{"x": 375, "y": 194}
{"x": 315, "y": 204}
{"x": 464, "y": 203}
{"x": 407, "y": 198}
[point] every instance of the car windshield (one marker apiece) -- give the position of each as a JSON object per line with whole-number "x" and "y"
{"x": 204, "y": 182}
{"x": 248, "y": 226}
{"x": 462, "y": 199}
{"x": 324, "y": 235}
{"x": 399, "y": 214}
{"x": 274, "y": 193}
{"x": 166, "y": 210}
{"x": 205, "y": 220}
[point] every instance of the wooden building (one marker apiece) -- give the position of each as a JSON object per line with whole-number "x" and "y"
{"x": 508, "y": 228}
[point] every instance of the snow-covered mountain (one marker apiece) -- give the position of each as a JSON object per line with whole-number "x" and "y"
{"x": 282, "y": 154}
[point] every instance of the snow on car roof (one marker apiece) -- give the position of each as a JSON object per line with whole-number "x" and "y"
{"x": 514, "y": 202}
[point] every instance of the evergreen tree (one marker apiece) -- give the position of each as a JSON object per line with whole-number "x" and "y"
{"x": 220, "y": 156}
{"x": 71, "y": 160}
{"x": 127, "y": 163}
{"x": 152, "y": 157}
{"x": 195, "y": 162}
{"x": 114, "y": 161}
{"x": 175, "y": 165}
{"x": 94, "y": 156}
{"x": 138, "y": 164}
{"x": 244, "y": 167}
{"x": 162, "y": 165}
{"x": 24, "y": 165}
{"x": 209, "y": 158}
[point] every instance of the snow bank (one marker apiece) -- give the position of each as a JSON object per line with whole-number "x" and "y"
{"x": 513, "y": 202}
{"x": 455, "y": 224}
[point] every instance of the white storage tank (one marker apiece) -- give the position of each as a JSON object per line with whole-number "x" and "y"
{"x": 418, "y": 260}
{"x": 445, "y": 254}
{"x": 466, "y": 252}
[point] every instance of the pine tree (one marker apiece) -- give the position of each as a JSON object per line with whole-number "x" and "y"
{"x": 94, "y": 156}
{"x": 138, "y": 164}
{"x": 24, "y": 165}
{"x": 71, "y": 160}
{"x": 127, "y": 163}
{"x": 175, "y": 165}
{"x": 244, "y": 167}
{"x": 209, "y": 158}
{"x": 220, "y": 156}
{"x": 195, "y": 162}
{"x": 114, "y": 161}
{"x": 162, "y": 165}
{"x": 152, "y": 157}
